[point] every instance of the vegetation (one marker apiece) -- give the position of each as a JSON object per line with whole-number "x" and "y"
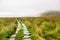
{"x": 43, "y": 28}
{"x": 20, "y": 34}
{"x": 7, "y": 27}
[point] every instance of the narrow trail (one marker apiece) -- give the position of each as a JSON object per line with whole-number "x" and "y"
{"x": 12, "y": 37}
{"x": 25, "y": 31}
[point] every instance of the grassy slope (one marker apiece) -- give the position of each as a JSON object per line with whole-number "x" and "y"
{"x": 7, "y": 27}
{"x": 41, "y": 28}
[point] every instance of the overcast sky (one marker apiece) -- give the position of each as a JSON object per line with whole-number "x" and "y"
{"x": 27, "y": 7}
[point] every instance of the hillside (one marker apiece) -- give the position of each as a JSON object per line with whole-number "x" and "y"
{"x": 51, "y": 13}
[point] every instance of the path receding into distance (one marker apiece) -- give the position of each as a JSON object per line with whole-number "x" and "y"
{"x": 14, "y": 35}
{"x": 25, "y": 31}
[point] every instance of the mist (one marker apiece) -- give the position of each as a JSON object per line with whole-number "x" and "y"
{"x": 27, "y": 8}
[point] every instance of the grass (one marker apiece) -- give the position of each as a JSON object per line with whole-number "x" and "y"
{"x": 20, "y": 34}
{"x": 43, "y": 28}
{"x": 7, "y": 27}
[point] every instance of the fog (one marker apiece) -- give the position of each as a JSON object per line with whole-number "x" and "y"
{"x": 27, "y": 8}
